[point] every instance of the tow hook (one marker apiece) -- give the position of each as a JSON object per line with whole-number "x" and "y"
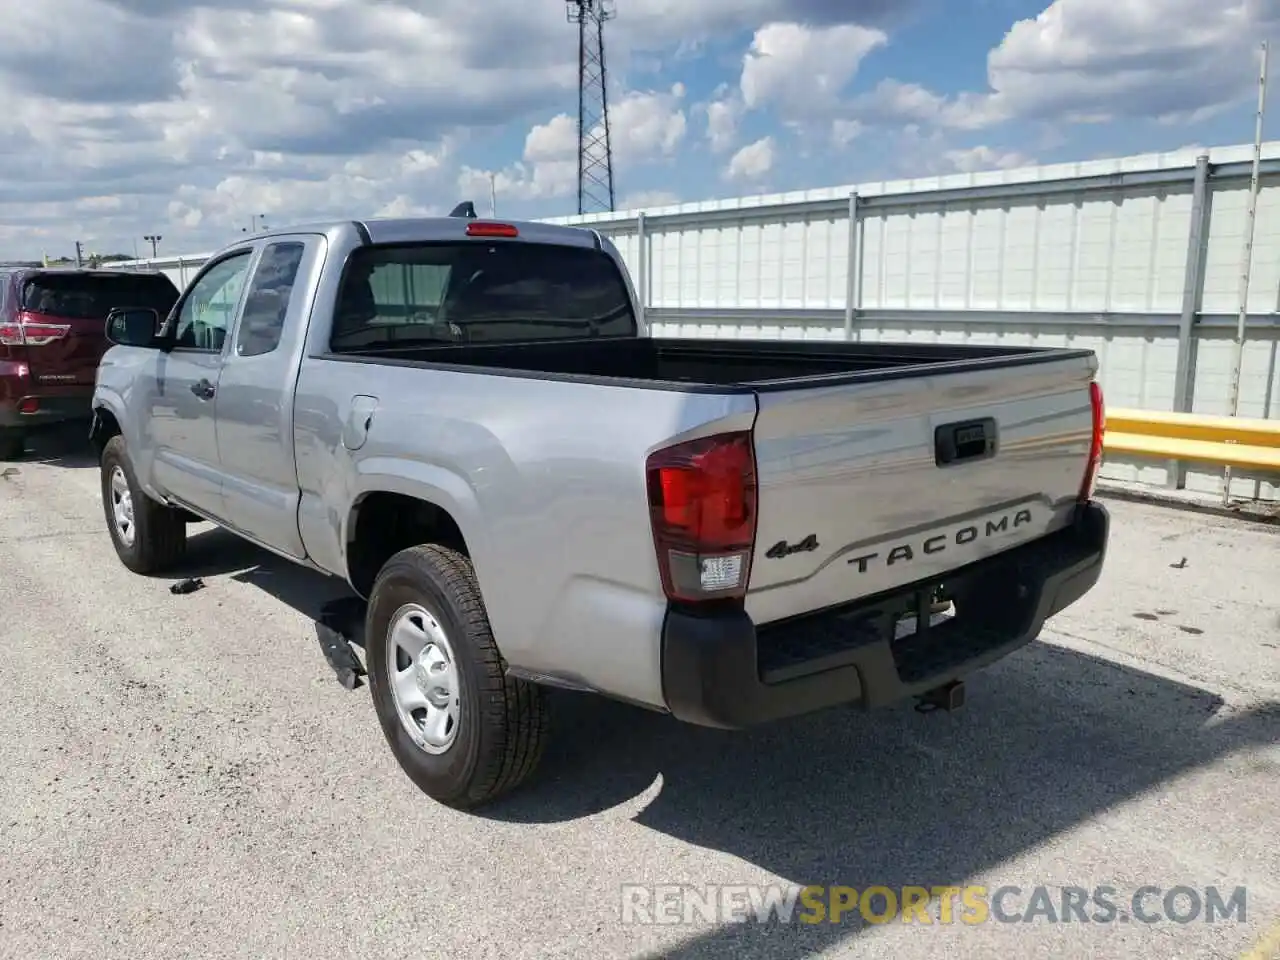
{"x": 948, "y": 697}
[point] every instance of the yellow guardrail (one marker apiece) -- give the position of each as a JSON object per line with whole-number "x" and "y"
{"x": 1230, "y": 441}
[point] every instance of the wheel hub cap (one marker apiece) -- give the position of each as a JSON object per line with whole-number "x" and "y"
{"x": 122, "y": 507}
{"x": 431, "y": 675}
{"x": 423, "y": 676}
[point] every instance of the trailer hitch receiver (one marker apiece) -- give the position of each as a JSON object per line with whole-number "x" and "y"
{"x": 948, "y": 697}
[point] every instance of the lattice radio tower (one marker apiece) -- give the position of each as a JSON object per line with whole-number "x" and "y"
{"x": 595, "y": 154}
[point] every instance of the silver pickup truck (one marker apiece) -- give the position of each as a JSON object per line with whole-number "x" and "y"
{"x": 467, "y": 422}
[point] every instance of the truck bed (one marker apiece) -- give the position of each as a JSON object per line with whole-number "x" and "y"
{"x": 719, "y": 365}
{"x": 878, "y": 464}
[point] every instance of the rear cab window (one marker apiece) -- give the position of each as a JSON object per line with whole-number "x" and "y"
{"x": 478, "y": 291}
{"x": 90, "y": 296}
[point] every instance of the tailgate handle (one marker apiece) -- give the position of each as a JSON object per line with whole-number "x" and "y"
{"x": 964, "y": 442}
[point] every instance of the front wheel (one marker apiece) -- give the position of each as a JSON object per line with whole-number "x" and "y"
{"x": 462, "y": 730}
{"x": 149, "y": 537}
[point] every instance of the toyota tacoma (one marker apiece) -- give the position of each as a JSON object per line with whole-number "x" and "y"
{"x": 469, "y": 423}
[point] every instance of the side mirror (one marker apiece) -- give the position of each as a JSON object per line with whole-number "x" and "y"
{"x": 133, "y": 327}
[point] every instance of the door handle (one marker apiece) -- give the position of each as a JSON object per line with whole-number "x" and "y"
{"x": 203, "y": 389}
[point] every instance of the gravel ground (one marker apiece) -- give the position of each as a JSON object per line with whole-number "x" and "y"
{"x": 185, "y": 777}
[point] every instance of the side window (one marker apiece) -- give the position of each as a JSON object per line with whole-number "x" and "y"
{"x": 206, "y": 313}
{"x": 267, "y": 303}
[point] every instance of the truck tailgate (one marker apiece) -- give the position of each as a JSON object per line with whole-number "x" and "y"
{"x": 865, "y": 487}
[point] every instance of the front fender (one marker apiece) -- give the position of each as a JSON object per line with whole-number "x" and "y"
{"x": 114, "y": 400}
{"x": 110, "y": 402}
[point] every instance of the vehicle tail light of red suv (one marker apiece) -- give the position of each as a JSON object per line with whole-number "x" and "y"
{"x": 28, "y": 331}
{"x": 702, "y": 502}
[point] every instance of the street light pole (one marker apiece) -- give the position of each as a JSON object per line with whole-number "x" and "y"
{"x": 153, "y": 239}
{"x": 1246, "y": 258}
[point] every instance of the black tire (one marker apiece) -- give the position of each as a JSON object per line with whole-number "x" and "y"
{"x": 13, "y": 443}
{"x": 502, "y": 722}
{"x": 160, "y": 534}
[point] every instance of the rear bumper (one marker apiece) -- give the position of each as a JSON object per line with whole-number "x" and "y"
{"x": 52, "y": 404}
{"x": 721, "y": 671}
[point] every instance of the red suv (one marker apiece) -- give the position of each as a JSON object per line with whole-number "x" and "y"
{"x": 52, "y": 337}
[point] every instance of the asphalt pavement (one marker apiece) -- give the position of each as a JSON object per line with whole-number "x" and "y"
{"x": 184, "y": 776}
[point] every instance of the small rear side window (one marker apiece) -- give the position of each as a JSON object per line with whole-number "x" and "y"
{"x": 88, "y": 296}
{"x": 267, "y": 303}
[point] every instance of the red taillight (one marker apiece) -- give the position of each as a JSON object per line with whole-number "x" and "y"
{"x": 482, "y": 228}
{"x": 28, "y": 332}
{"x": 702, "y": 501}
{"x": 1095, "y": 444}
{"x": 29, "y": 405}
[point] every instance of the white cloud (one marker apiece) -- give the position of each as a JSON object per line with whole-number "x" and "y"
{"x": 753, "y": 161}
{"x": 358, "y": 183}
{"x": 1099, "y": 61}
{"x": 184, "y": 118}
{"x": 723, "y": 117}
{"x": 682, "y": 23}
{"x": 972, "y": 159}
{"x": 801, "y": 69}
{"x": 844, "y": 132}
{"x": 195, "y": 115}
{"x": 196, "y": 118}
{"x": 647, "y": 125}
{"x": 553, "y": 140}
{"x": 892, "y": 101}
{"x": 643, "y": 126}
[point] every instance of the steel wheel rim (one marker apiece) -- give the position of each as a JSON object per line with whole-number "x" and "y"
{"x": 122, "y": 507}
{"x": 422, "y": 673}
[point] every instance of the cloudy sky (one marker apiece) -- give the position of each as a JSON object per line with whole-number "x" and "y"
{"x": 120, "y": 118}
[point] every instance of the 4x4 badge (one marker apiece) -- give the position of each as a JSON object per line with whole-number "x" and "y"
{"x": 784, "y": 549}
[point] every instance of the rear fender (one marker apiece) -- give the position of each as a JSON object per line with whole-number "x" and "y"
{"x": 429, "y": 483}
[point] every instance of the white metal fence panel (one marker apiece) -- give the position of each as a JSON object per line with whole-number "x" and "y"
{"x": 1137, "y": 258}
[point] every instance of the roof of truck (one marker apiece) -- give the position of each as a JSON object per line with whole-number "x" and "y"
{"x": 410, "y": 229}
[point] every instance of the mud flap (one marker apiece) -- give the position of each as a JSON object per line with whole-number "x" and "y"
{"x": 339, "y": 627}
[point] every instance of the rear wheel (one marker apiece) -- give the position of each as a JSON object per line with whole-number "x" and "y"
{"x": 148, "y": 536}
{"x": 12, "y": 444}
{"x": 462, "y": 730}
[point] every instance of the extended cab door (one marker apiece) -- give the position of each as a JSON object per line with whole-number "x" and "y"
{"x": 181, "y": 401}
{"x": 255, "y": 395}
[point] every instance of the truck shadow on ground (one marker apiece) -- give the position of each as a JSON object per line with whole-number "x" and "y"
{"x": 212, "y": 552}
{"x": 1050, "y": 738}
{"x": 65, "y": 445}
